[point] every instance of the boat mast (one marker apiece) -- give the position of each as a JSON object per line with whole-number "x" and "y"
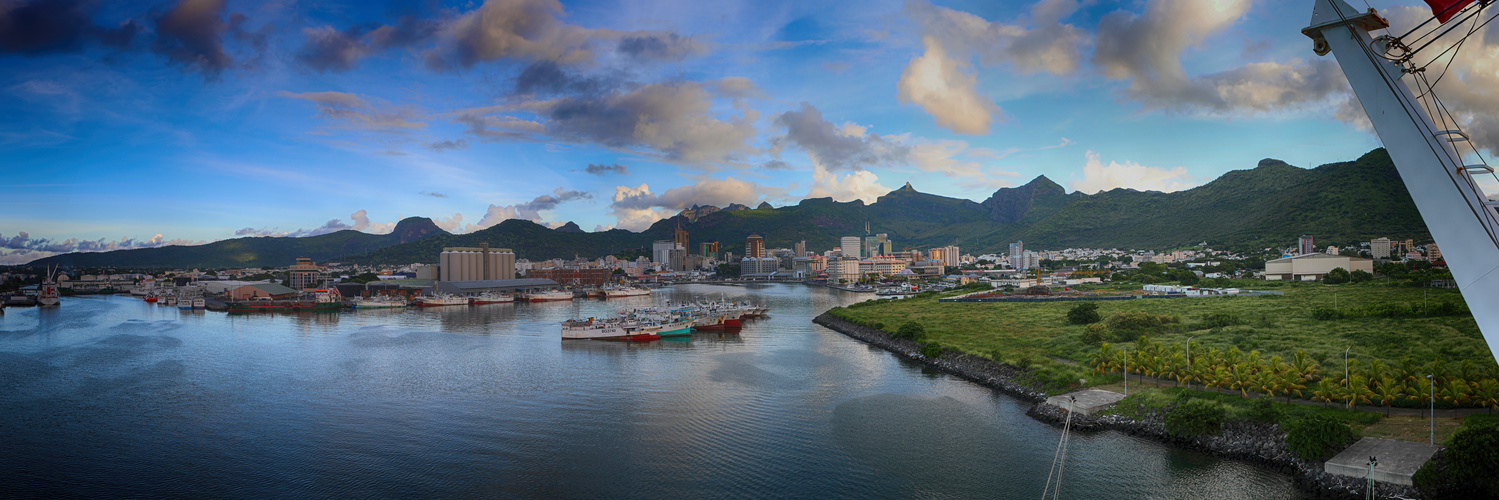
{"x": 1455, "y": 209}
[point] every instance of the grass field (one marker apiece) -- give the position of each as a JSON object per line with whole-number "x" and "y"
{"x": 1038, "y": 334}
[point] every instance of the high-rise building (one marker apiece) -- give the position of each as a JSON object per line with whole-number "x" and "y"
{"x": 851, "y": 246}
{"x": 1304, "y": 245}
{"x": 304, "y": 274}
{"x": 1016, "y": 249}
{"x": 1432, "y": 252}
{"x": 801, "y": 248}
{"x": 754, "y": 246}
{"x": 709, "y": 249}
{"x": 877, "y": 245}
{"x": 661, "y": 251}
{"x": 1379, "y": 248}
{"x": 949, "y": 255}
{"x": 680, "y": 238}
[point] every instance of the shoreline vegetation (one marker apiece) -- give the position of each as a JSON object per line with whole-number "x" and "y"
{"x": 1250, "y": 391}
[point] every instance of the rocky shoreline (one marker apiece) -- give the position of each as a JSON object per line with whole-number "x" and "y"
{"x": 1253, "y": 442}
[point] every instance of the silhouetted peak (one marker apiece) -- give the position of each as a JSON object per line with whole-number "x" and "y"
{"x": 570, "y": 227}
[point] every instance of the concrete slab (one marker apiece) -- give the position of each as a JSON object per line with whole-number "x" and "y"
{"x": 1398, "y": 460}
{"x": 1088, "y": 400}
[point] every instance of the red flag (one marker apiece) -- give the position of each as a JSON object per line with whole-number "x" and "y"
{"x": 1445, "y": 9}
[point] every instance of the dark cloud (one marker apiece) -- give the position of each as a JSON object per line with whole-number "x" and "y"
{"x": 356, "y": 113}
{"x": 777, "y": 165}
{"x": 530, "y": 210}
{"x": 24, "y": 241}
{"x": 191, "y": 34}
{"x": 490, "y": 128}
{"x": 434, "y": 195}
{"x": 599, "y": 169}
{"x": 673, "y": 118}
{"x": 545, "y": 78}
{"x": 836, "y": 149}
{"x": 49, "y": 26}
{"x": 660, "y": 47}
{"x": 328, "y": 49}
{"x": 328, "y": 227}
{"x": 448, "y": 145}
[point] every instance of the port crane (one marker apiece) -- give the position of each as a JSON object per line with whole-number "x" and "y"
{"x": 1442, "y": 183}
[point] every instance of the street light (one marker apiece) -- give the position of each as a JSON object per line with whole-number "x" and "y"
{"x": 1431, "y": 384}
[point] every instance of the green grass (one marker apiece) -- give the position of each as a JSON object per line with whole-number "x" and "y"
{"x": 1273, "y": 325}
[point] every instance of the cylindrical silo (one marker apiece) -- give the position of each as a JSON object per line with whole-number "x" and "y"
{"x": 444, "y": 266}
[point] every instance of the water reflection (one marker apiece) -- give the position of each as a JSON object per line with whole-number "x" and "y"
{"x": 114, "y": 397}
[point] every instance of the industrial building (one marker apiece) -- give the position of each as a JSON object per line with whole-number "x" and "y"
{"x": 475, "y": 263}
{"x": 573, "y": 276}
{"x": 467, "y": 288}
{"x": 262, "y": 291}
{"x": 1312, "y": 267}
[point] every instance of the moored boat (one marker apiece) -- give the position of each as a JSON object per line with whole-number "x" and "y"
{"x": 549, "y": 295}
{"x": 48, "y": 294}
{"x": 620, "y": 292}
{"x": 440, "y": 300}
{"x": 381, "y": 302}
{"x": 491, "y": 298}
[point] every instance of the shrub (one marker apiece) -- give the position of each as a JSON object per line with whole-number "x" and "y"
{"x": 911, "y": 330}
{"x": 1025, "y": 361}
{"x": 1263, "y": 410}
{"x": 1466, "y": 467}
{"x": 1220, "y": 320}
{"x": 931, "y": 350}
{"x": 1314, "y": 436}
{"x": 1194, "y": 417}
{"x": 1326, "y": 314}
{"x": 1336, "y": 276}
{"x": 1360, "y": 276}
{"x": 1132, "y": 320}
{"x": 1084, "y": 313}
{"x": 1095, "y": 334}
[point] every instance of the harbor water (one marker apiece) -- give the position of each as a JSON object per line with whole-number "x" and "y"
{"x": 114, "y": 397}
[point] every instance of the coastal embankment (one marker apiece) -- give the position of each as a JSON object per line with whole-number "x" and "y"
{"x": 1258, "y": 443}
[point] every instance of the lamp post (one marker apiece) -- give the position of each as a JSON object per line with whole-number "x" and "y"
{"x": 1189, "y": 359}
{"x": 1431, "y": 384}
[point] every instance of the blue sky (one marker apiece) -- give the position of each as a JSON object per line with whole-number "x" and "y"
{"x": 134, "y": 124}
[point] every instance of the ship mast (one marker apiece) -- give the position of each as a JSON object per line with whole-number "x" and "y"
{"x": 1455, "y": 209}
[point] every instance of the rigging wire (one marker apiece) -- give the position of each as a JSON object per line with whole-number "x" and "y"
{"x": 1407, "y": 107}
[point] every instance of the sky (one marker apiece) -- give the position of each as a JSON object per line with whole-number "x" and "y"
{"x": 141, "y": 124}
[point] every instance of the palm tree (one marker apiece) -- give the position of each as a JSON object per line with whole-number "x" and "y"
{"x": 1486, "y": 393}
{"x": 1326, "y": 392}
{"x": 1358, "y": 390}
{"x": 1409, "y": 371}
{"x": 1455, "y": 392}
{"x": 1102, "y": 360}
{"x": 1292, "y": 383}
{"x": 1305, "y": 366}
{"x": 1242, "y": 378}
{"x": 1467, "y": 371}
{"x": 1390, "y": 390}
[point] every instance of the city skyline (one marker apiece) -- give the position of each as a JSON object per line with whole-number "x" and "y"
{"x": 140, "y": 124}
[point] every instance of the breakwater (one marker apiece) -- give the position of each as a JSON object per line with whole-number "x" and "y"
{"x": 977, "y": 369}
{"x": 1262, "y": 444}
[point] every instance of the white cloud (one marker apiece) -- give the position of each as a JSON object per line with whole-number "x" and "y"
{"x": 637, "y": 207}
{"x": 1099, "y": 177}
{"x": 362, "y": 223}
{"x": 530, "y": 210}
{"x": 858, "y": 185}
{"x": 452, "y": 224}
{"x": 945, "y": 89}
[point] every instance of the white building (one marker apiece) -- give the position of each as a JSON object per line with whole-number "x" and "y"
{"x": 1312, "y": 267}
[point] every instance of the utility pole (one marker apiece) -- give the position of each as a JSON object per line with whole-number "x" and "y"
{"x": 1431, "y": 384}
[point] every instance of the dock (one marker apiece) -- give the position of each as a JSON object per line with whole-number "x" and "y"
{"x": 1087, "y": 400}
{"x": 1398, "y": 460}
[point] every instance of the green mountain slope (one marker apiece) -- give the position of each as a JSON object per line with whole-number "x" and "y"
{"x": 254, "y": 251}
{"x": 1267, "y": 206}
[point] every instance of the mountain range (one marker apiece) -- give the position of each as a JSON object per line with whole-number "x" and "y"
{"x": 1264, "y": 207}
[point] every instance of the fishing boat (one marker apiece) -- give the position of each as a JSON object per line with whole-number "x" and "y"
{"x": 151, "y": 298}
{"x": 380, "y": 302}
{"x": 170, "y": 301}
{"x": 440, "y": 300}
{"x": 491, "y": 298}
{"x": 620, "y": 292}
{"x": 200, "y": 303}
{"x": 593, "y": 329}
{"x": 549, "y": 295}
{"x": 145, "y": 288}
{"x": 321, "y": 300}
{"x": 185, "y": 303}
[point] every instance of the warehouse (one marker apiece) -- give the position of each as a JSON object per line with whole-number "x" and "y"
{"x": 1313, "y": 266}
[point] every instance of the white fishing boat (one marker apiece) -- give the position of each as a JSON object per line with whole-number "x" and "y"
{"x": 491, "y": 298}
{"x": 615, "y": 293}
{"x": 549, "y": 295}
{"x": 380, "y": 302}
{"x": 145, "y": 288}
{"x": 440, "y": 300}
{"x": 591, "y": 329}
{"x": 200, "y": 303}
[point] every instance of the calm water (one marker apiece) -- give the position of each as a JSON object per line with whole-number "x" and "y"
{"x": 111, "y": 396}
